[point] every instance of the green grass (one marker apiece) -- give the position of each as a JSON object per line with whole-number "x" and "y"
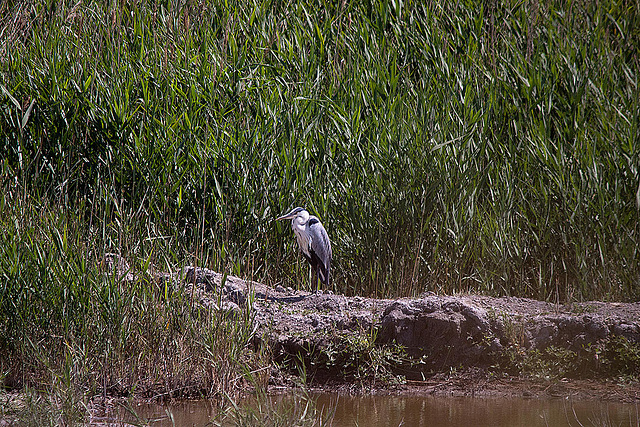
{"x": 457, "y": 147}
{"x": 453, "y": 148}
{"x": 614, "y": 358}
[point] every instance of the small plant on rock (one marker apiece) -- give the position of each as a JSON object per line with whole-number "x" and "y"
{"x": 622, "y": 357}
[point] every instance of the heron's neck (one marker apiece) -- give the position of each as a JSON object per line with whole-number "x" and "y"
{"x": 299, "y": 226}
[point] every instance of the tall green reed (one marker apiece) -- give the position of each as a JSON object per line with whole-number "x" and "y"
{"x": 66, "y": 319}
{"x": 462, "y": 147}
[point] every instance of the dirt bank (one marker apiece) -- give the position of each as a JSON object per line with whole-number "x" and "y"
{"x": 448, "y": 345}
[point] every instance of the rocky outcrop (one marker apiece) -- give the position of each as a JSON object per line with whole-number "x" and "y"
{"x": 438, "y": 331}
{"x": 448, "y": 330}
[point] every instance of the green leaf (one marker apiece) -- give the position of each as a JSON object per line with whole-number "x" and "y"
{"x": 26, "y": 116}
{"x": 15, "y": 101}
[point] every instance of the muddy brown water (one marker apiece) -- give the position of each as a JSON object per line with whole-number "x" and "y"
{"x": 386, "y": 410}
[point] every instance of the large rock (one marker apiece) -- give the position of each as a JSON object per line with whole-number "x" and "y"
{"x": 448, "y": 330}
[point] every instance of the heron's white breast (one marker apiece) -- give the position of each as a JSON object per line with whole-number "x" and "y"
{"x": 302, "y": 236}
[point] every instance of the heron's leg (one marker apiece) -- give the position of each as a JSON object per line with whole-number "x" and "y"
{"x": 314, "y": 280}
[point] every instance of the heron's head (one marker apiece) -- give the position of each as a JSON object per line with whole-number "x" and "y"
{"x": 296, "y": 213}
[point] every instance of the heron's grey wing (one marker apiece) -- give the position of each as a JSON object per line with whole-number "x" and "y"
{"x": 320, "y": 244}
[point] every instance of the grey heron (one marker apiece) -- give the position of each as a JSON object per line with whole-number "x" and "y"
{"x": 314, "y": 244}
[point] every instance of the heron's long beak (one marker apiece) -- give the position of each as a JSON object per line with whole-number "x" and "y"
{"x": 286, "y": 216}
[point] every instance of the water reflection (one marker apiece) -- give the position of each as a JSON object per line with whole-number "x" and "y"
{"x": 416, "y": 411}
{"x": 439, "y": 411}
{"x": 184, "y": 413}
